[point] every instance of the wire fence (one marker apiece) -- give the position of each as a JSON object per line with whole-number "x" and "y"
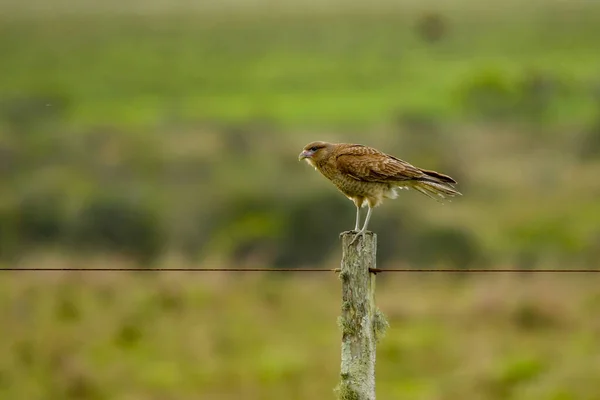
{"x": 297, "y": 270}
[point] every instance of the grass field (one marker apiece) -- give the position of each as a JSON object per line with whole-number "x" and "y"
{"x": 176, "y": 336}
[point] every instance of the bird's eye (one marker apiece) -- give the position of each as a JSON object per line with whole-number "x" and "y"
{"x": 314, "y": 148}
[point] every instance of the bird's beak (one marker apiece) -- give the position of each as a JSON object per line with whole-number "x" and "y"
{"x": 304, "y": 154}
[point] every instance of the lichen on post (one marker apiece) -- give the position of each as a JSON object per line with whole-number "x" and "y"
{"x": 361, "y": 322}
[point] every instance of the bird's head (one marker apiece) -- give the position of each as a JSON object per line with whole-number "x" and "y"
{"x": 315, "y": 152}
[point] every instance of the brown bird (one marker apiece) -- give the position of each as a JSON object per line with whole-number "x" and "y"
{"x": 367, "y": 176}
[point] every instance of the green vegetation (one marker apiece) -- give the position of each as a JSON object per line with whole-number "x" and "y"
{"x": 344, "y": 392}
{"x": 181, "y": 129}
{"x": 155, "y": 133}
{"x": 346, "y": 69}
{"x": 184, "y": 336}
{"x": 380, "y": 324}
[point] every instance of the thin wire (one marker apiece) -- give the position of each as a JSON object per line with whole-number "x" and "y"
{"x": 176, "y": 269}
{"x": 482, "y": 270}
{"x": 373, "y": 270}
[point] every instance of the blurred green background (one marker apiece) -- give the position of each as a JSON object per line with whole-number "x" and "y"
{"x": 166, "y": 134}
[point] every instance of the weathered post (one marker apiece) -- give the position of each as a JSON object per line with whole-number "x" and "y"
{"x": 361, "y": 322}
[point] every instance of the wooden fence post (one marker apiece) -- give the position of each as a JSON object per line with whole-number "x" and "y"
{"x": 361, "y": 321}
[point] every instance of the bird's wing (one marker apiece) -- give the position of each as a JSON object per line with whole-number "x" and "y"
{"x": 370, "y": 165}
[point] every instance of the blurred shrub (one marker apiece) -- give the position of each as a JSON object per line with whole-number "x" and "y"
{"x": 41, "y": 219}
{"x": 310, "y": 232}
{"x": 116, "y": 224}
{"x": 432, "y": 27}
{"x": 537, "y": 91}
{"x": 495, "y": 94}
{"x": 531, "y": 316}
{"x": 417, "y": 124}
{"x": 237, "y": 139}
{"x": 590, "y": 143}
{"x": 448, "y": 247}
{"x": 395, "y": 234}
{"x": 36, "y": 220}
{"x": 543, "y": 240}
{"x": 192, "y": 229}
{"x": 128, "y": 334}
{"x": 243, "y": 229}
{"x": 9, "y": 237}
{"x": 591, "y": 255}
{"x": 25, "y": 114}
{"x": 67, "y": 309}
{"x": 512, "y": 373}
{"x": 9, "y": 156}
{"x": 489, "y": 93}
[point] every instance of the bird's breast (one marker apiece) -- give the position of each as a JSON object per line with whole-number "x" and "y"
{"x": 352, "y": 187}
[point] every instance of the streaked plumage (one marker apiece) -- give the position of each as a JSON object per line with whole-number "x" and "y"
{"x": 367, "y": 176}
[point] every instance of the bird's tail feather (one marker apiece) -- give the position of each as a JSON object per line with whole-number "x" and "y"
{"x": 437, "y": 177}
{"x": 435, "y": 185}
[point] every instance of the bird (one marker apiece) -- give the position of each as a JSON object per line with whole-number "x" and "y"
{"x": 367, "y": 176}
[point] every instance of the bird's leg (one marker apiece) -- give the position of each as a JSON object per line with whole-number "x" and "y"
{"x": 358, "y": 202}
{"x": 357, "y": 218}
{"x": 364, "y": 228}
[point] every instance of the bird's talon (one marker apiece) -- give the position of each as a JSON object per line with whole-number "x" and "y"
{"x": 358, "y": 234}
